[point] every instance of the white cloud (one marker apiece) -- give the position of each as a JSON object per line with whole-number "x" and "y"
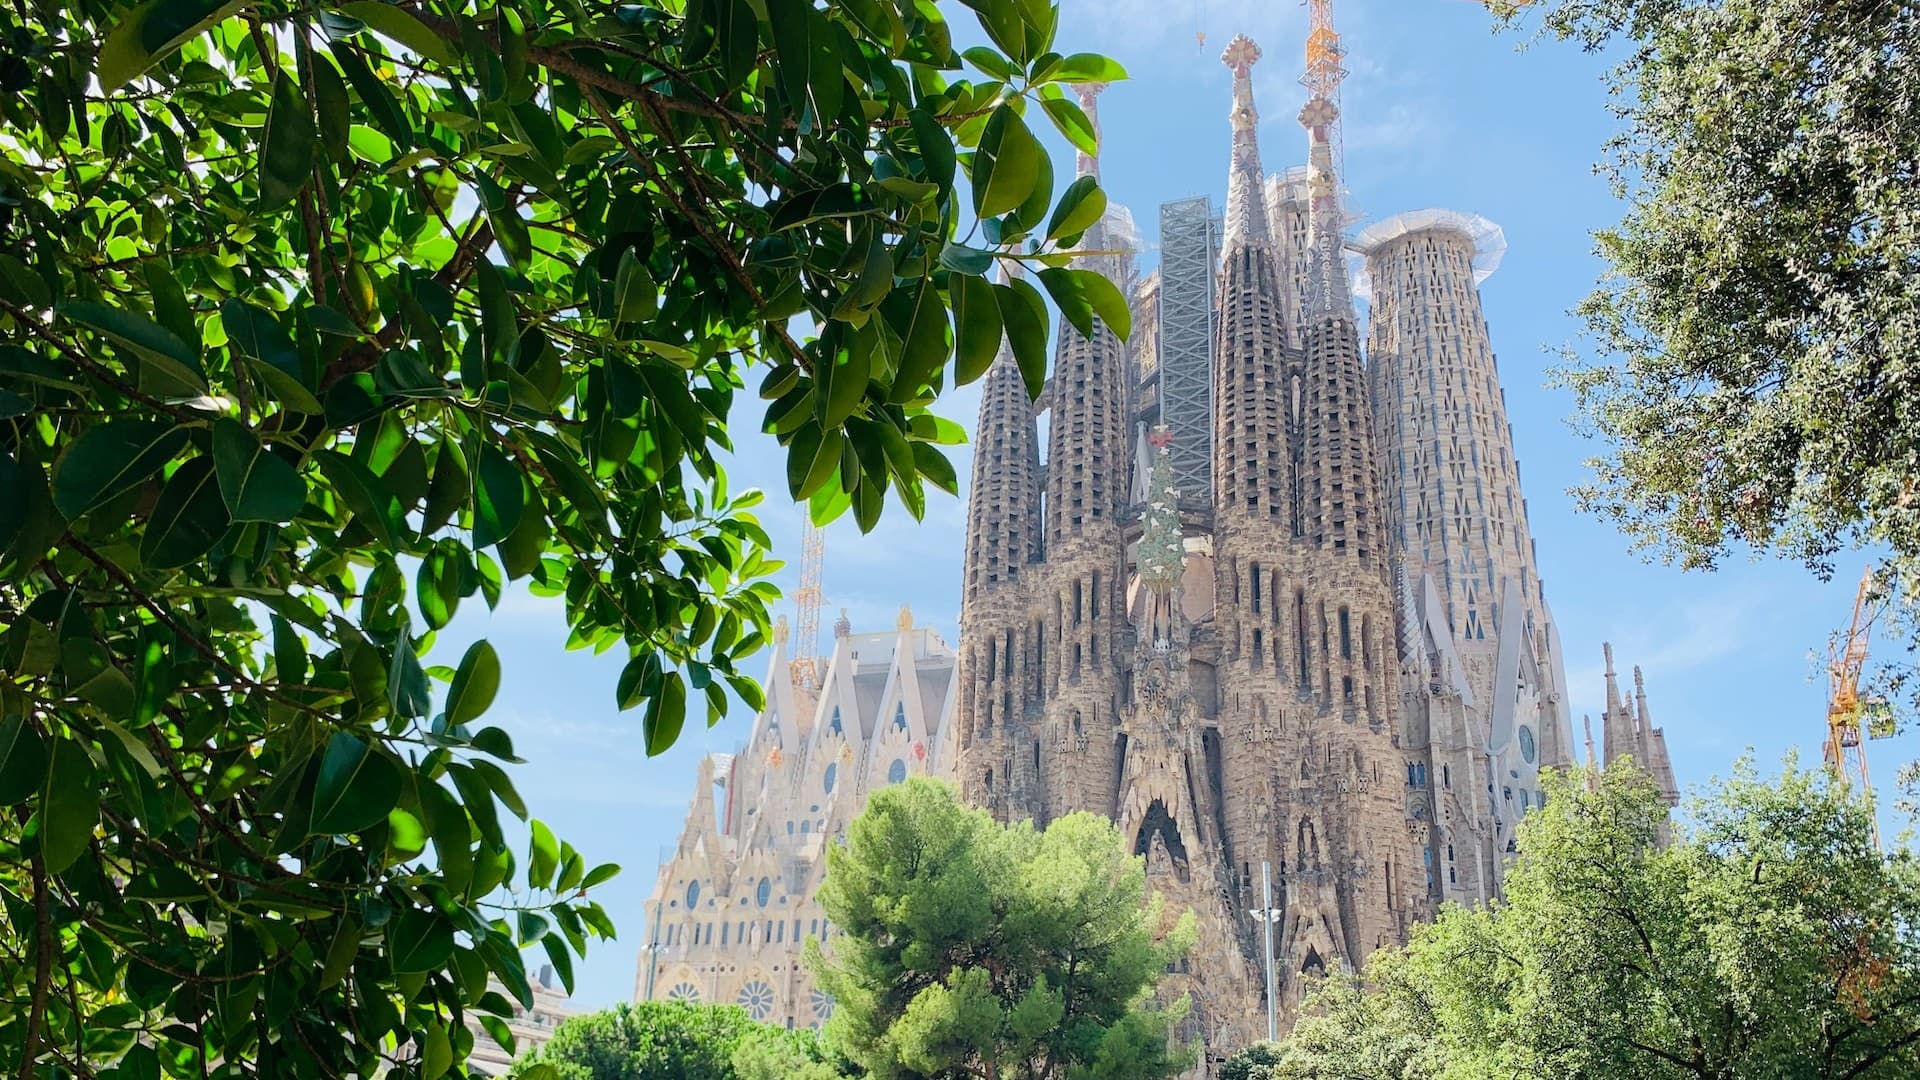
{"x": 1666, "y": 643}
{"x": 1123, "y": 26}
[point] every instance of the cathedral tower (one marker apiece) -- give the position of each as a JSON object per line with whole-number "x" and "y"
{"x": 1485, "y": 709}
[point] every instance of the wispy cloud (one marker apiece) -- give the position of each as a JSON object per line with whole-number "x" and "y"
{"x": 1671, "y": 641}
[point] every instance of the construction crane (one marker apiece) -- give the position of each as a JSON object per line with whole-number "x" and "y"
{"x": 1846, "y": 750}
{"x": 805, "y": 666}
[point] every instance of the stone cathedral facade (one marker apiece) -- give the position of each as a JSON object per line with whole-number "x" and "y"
{"x": 1267, "y": 599}
{"x": 1264, "y": 596}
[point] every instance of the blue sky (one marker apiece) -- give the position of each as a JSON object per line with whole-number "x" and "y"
{"x": 1439, "y": 113}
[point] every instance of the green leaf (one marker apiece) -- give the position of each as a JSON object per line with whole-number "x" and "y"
{"x": 406, "y": 836}
{"x": 499, "y": 497}
{"x": 635, "y": 296}
{"x": 258, "y": 336}
{"x": 1024, "y": 314}
{"x": 562, "y": 960}
{"x": 373, "y": 505}
{"x": 492, "y": 740}
{"x": 601, "y": 873}
{"x": 407, "y": 692}
{"x": 1107, "y": 301}
{"x": 966, "y": 260}
{"x": 924, "y": 343}
{"x": 335, "y": 110}
{"x": 400, "y": 25}
{"x": 543, "y": 855}
{"x": 1089, "y": 68}
{"x": 23, "y": 760}
{"x": 257, "y": 484}
{"x": 1070, "y": 296}
{"x": 286, "y": 153}
{"x": 990, "y": 62}
{"x": 380, "y": 102}
{"x": 1007, "y": 164}
{"x": 475, "y": 683}
{"x": 978, "y": 325}
{"x": 437, "y": 583}
{"x": 152, "y": 32}
{"x": 109, "y": 459}
{"x": 666, "y": 714}
{"x": 419, "y": 940}
{"x": 356, "y": 787}
{"x": 151, "y": 342}
{"x": 69, "y": 806}
{"x": 187, "y": 520}
{"x": 1079, "y": 207}
{"x": 843, "y": 376}
{"x": 509, "y": 230}
{"x": 289, "y": 653}
{"x": 436, "y": 1052}
{"x": 935, "y": 467}
{"x": 936, "y": 148}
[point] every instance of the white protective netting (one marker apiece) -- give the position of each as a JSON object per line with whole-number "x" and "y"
{"x": 1489, "y": 242}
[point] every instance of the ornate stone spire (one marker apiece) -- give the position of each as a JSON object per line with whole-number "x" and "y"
{"x": 1246, "y": 224}
{"x": 1089, "y": 94}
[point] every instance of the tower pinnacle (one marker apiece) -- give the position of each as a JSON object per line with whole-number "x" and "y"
{"x": 1321, "y": 117}
{"x": 1246, "y": 206}
{"x": 1089, "y": 94}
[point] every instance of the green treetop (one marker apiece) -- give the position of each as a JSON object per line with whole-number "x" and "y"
{"x": 325, "y": 320}
{"x": 1769, "y": 939}
{"x": 966, "y": 948}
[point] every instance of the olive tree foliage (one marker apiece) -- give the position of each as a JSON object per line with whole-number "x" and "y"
{"x": 675, "y": 1040}
{"x": 1755, "y": 367}
{"x": 963, "y": 947}
{"x": 321, "y": 321}
{"x": 1768, "y": 939}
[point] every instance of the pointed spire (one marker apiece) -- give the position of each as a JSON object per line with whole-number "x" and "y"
{"x": 1587, "y": 722}
{"x": 1321, "y": 117}
{"x": 1618, "y": 725}
{"x": 1089, "y": 93}
{"x": 1246, "y": 224}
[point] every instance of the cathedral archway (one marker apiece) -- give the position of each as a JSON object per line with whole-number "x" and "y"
{"x": 1158, "y": 822}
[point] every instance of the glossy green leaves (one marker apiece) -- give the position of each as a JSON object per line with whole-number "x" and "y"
{"x": 357, "y": 784}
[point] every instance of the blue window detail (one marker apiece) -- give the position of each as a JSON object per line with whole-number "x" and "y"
{"x": 897, "y": 771}
{"x": 764, "y": 893}
{"x": 900, "y": 717}
{"x": 833, "y": 773}
{"x": 789, "y": 828}
{"x": 806, "y": 827}
{"x": 834, "y": 722}
{"x": 1420, "y": 769}
{"x": 1527, "y": 747}
{"x": 693, "y": 895}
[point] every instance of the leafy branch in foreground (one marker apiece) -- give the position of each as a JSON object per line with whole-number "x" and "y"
{"x": 324, "y": 321}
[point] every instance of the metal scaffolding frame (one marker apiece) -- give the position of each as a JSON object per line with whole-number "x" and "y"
{"x": 1188, "y": 263}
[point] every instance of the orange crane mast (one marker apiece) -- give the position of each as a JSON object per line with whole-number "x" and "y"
{"x": 1846, "y": 750}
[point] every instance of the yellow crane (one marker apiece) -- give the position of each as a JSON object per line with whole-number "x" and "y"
{"x": 1851, "y": 719}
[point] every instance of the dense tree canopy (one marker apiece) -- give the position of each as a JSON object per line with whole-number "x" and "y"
{"x": 1757, "y": 370}
{"x": 325, "y": 319}
{"x": 675, "y": 1040}
{"x": 968, "y": 948}
{"x": 1769, "y": 939}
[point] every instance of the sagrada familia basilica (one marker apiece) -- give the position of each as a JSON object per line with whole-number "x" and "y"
{"x": 1268, "y": 600}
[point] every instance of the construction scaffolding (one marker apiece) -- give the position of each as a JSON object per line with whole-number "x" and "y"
{"x": 1188, "y": 262}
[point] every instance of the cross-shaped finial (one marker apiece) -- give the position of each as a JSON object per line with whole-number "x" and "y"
{"x": 1241, "y": 55}
{"x": 1160, "y": 438}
